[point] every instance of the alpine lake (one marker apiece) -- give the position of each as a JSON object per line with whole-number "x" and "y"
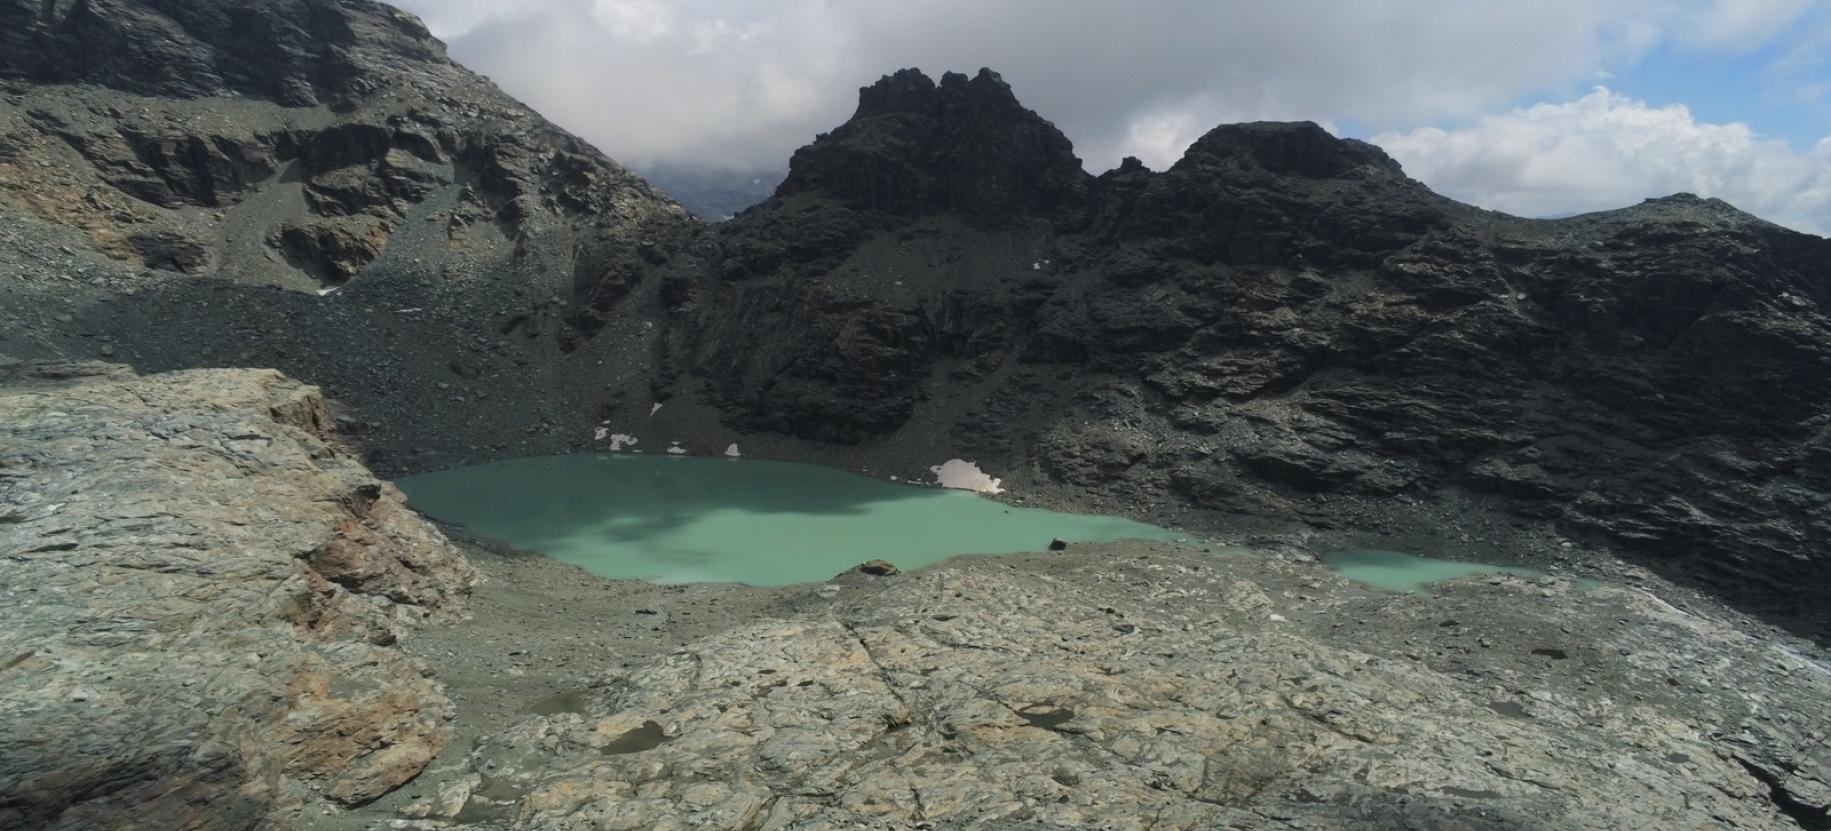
{"x": 671, "y": 519}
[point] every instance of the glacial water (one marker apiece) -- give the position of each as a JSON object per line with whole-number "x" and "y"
{"x": 697, "y": 519}
{"x": 1396, "y": 571}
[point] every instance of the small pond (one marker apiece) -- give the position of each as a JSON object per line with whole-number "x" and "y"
{"x": 697, "y": 519}
{"x": 1396, "y": 571}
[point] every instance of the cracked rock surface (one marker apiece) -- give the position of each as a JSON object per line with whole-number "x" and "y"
{"x": 1171, "y": 691}
{"x": 199, "y": 594}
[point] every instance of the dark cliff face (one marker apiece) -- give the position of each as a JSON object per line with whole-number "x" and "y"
{"x": 296, "y": 52}
{"x": 310, "y": 185}
{"x": 1281, "y": 325}
{"x": 963, "y": 146}
{"x": 223, "y": 105}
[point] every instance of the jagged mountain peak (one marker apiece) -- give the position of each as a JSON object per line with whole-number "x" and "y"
{"x": 1295, "y": 148}
{"x": 912, "y": 91}
{"x": 964, "y": 145}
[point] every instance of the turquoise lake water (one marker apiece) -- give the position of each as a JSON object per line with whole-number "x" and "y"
{"x": 1396, "y": 571}
{"x": 697, "y": 519}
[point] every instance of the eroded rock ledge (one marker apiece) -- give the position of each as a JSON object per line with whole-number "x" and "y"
{"x": 199, "y": 590}
{"x": 1182, "y": 691}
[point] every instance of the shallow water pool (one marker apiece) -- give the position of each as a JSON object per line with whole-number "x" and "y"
{"x": 1397, "y": 571}
{"x": 696, "y": 519}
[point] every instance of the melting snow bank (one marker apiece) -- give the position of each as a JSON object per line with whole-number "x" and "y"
{"x": 964, "y": 475}
{"x": 732, "y": 451}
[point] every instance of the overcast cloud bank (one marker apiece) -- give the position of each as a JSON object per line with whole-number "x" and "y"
{"x": 741, "y": 83}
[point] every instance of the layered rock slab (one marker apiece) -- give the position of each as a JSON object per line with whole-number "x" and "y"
{"x": 1173, "y": 695}
{"x": 198, "y": 593}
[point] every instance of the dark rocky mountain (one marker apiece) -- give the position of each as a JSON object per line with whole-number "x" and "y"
{"x": 1282, "y": 326}
{"x": 965, "y": 147}
{"x": 1282, "y": 331}
{"x": 288, "y": 142}
{"x": 1281, "y": 341}
{"x": 313, "y": 186}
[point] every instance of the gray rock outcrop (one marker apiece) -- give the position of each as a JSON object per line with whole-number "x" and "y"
{"x": 198, "y": 593}
{"x": 1175, "y": 692}
{"x": 180, "y": 180}
{"x": 1281, "y": 326}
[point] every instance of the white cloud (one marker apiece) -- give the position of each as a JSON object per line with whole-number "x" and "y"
{"x": 637, "y": 21}
{"x": 1606, "y": 150}
{"x": 1738, "y": 25}
{"x": 742, "y": 83}
{"x": 452, "y": 18}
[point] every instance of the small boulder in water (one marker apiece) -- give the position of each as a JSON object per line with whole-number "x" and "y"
{"x": 877, "y": 568}
{"x": 1058, "y": 544}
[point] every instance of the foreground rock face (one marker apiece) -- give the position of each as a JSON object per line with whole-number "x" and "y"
{"x": 1282, "y": 325}
{"x": 1177, "y": 692}
{"x": 198, "y": 590}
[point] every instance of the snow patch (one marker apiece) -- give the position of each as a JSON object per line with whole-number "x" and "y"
{"x": 732, "y": 451}
{"x": 325, "y": 292}
{"x": 619, "y": 442}
{"x": 676, "y": 450}
{"x": 960, "y": 474}
{"x": 600, "y": 433}
{"x": 652, "y": 410}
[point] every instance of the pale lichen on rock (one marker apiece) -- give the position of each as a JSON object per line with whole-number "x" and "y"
{"x": 1156, "y": 695}
{"x": 198, "y": 593}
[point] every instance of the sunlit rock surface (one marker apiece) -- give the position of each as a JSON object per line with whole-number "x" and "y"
{"x": 1169, "y": 692}
{"x": 198, "y": 594}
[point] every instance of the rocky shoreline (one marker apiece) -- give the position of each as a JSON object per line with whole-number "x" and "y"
{"x": 1280, "y": 332}
{"x": 1149, "y": 685}
{"x": 1128, "y": 685}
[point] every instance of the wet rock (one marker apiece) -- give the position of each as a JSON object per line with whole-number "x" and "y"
{"x": 877, "y": 568}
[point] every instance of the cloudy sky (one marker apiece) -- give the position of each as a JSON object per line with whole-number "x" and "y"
{"x": 1536, "y": 108}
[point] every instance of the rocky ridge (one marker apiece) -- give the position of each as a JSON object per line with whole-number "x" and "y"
{"x": 1163, "y": 688}
{"x": 201, "y": 590}
{"x": 1281, "y": 332}
{"x": 1280, "y": 339}
{"x": 1281, "y": 327}
{"x": 312, "y": 186}
{"x": 290, "y": 144}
